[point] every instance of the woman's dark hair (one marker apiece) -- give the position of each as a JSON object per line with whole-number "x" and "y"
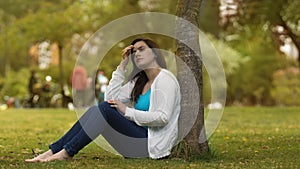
{"x": 140, "y": 75}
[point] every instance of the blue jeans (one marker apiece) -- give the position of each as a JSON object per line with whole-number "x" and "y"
{"x": 125, "y": 136}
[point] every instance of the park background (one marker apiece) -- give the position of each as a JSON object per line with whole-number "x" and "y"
{"x": 257, "y": 41}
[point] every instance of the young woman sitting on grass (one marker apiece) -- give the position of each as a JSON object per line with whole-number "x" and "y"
{"x": 149, "y": 128}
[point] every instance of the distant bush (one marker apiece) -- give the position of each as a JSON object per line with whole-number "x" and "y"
{"x": 286, "y": 91}
{"x": 15, "y": 84}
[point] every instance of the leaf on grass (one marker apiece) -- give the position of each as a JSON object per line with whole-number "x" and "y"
{"x": 5, "y": 157}
{"x": 265, "y": 147}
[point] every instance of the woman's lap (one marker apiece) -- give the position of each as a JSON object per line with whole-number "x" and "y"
{"x": 120, "y": 123}
{"x": 125, "y": 136}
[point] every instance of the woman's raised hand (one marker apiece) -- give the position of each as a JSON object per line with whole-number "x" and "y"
{"x": 125, "y": 56}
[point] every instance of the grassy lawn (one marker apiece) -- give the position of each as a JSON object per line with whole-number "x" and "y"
{"x": 252, "y": 137}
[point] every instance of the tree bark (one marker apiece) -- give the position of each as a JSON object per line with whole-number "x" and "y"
{"x": 61, "y": 73}
{"x": 290, "y": 33}
{"x": 195, "y": 143}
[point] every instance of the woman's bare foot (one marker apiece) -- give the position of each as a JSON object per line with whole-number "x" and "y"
{"x": 40, "y": 157}
{"x": 62, "y": 155}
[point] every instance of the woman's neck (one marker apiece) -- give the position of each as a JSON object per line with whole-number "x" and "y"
{"x": 152, "y": 73}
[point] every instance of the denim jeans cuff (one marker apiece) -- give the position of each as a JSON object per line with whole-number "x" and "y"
{"x": 69, "y": 150}
{"x": 54, "y": 148}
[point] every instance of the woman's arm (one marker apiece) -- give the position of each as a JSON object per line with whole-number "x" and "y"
{"x": 116, "y": 90}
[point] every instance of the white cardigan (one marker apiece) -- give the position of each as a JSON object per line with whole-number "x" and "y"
{"x": 163, "y": 114}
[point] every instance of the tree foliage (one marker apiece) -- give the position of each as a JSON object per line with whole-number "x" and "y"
{"x": 14, "y": 84}
{"x": 252, "y": 35}
{"x": 34, "y": 21}
{"x": 286, "y": 91}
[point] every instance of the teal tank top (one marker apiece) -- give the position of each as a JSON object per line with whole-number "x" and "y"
{"x": 143, "y": 102}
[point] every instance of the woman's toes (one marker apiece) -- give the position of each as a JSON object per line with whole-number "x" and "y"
{"x": 33, "y": 160}
{"x": 40, "y": 157}
{"x": 62, "y": 155}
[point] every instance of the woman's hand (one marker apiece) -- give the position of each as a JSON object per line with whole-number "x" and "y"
{"x": 117, "y": 104}
{"x": 125, "y": 56}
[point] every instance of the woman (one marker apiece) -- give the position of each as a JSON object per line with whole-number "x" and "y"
{"x": 149, "y": 129}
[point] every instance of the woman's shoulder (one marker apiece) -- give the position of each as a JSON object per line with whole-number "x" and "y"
{"x": 167, "y": 75}
{"x": 166, "y": 72}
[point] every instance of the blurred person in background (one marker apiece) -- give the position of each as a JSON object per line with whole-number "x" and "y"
{"x": 79, "y": 82}
{"x": 101, "y": 82}
{"x": 34, "y": 87}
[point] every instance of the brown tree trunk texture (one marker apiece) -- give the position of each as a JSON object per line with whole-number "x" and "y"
{"x": 195, "y": 143}
{"x": 61, "y": 73}
{"x": 290, "y": 33}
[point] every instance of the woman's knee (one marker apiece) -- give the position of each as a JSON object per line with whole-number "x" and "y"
{"x": 104, "y": 105}
{"x": 107, "y": 111}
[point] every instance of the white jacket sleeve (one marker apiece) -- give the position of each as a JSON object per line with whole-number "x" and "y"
{"x": 164, "y": 91}
{"x": 116, "y": 89}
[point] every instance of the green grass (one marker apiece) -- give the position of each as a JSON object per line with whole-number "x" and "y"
{"x": 252, "y": 137}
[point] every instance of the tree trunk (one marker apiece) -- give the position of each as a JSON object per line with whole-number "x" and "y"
{"x": 195, "y": 143}
{"x": 6, "y": 54}
{"x": 290, "y": 33}
{"x": 61, "y": 73}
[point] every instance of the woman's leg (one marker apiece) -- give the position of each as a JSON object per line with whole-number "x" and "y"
{"x": 75, "y": 130}
{"x": 126, "y": 146}
{"x": 59, "y": 144}
{"x": 93, "y": 123}
{"x": 87, "y": 128}
{"x": 118, "y": 122}
{"x": 125, "y": 136}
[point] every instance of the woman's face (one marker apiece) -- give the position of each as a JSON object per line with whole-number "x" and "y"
{"x": 144, "y": 57}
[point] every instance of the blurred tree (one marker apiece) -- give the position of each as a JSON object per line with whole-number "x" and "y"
{"x": 231, "y": 59}
{"x": 41, "y": 26}
{"x": 60, "y": 21}
{"x": 209, "y": 17}
{"x": 57, "y": 22}
{"x": 15, "y": 85}
{"x": 5, "y": 22}
{"x": 13, "y": 41}
{"x": 252, "y": 83}
{"x": 286, "y": 83}
{"x": 280, "y": 13}
{"x": 284, "y": 14}
{"x": 290, "y": 21}
{"x": 253, "y": 31}
{"x": 20, "y": 8}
